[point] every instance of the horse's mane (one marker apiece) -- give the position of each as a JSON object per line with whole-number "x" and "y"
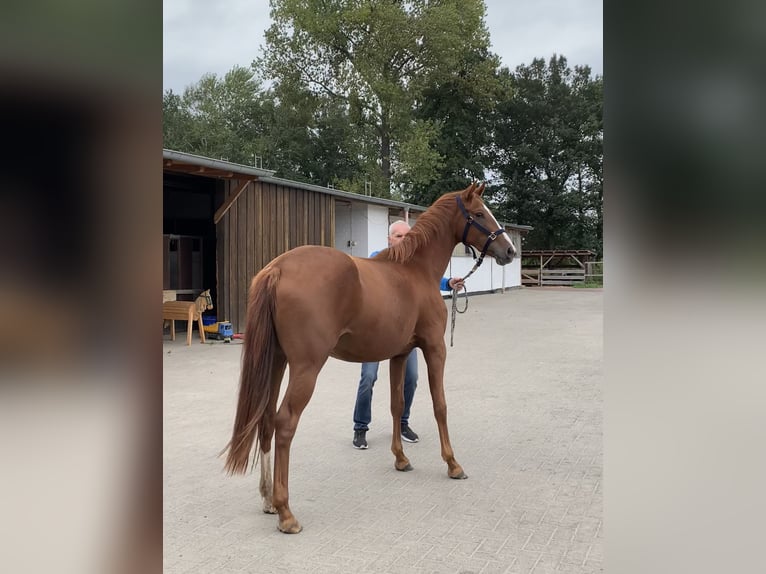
{"x": 425, "y": 228}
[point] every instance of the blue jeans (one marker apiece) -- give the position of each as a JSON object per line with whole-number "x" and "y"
{"x": 363, "y": 408}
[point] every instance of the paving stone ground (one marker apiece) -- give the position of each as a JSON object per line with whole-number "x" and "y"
{"x": 523, "y": 386}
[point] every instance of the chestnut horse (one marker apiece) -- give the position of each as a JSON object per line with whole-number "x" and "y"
{"x": 314, "y": 302}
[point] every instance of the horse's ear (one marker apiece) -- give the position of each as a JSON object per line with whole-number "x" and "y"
{"x": 473, "y": 190}
{"x": 469, "y": 192}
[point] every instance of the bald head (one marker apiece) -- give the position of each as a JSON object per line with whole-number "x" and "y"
{"x": 396, "y": 232}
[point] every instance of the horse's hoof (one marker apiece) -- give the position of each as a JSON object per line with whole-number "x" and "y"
{"x": 290, "y": 526}
{"x": 406, "y": 468}
{"x": 460, "y": 475}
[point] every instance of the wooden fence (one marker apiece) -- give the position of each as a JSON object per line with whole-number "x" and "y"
{"x": 594, "y": 272}
{"x": 567, "y": 268}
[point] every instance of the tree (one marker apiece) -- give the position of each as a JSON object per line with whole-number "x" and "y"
{"x": 301, "y": 135}
{"x": 216, "y": 117}
{"x": 177, "y": 122}
{"x": 462, "y": 110}
{"x": 549, "y": 154}
{"x": 309, "y": 136}
{"x": 378, "y": 57}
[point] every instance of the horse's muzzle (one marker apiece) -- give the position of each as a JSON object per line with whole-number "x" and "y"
{"x": 504, "y": 257}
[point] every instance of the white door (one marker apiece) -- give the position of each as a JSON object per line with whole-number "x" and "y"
{"x": 343, "y": 226}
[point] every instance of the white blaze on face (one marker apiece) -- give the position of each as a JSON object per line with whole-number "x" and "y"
{"x": 494, "y": 225}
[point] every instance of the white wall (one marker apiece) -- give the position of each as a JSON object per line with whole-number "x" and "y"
{"x": 369, "y": 228}
{"x": 343, "y": 226}
{"x": 377, "y": 228}
{"x": 489, "y": 275}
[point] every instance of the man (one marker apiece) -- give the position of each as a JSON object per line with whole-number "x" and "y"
{"x": 363, "y": 407}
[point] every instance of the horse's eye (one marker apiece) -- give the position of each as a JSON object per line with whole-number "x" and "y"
{"x": 479, "y": 214}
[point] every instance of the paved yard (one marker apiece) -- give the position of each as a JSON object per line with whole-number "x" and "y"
{"x": 523, "y": 385}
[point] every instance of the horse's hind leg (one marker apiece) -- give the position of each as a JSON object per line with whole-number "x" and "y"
{"x": 299, "y": 390}
{"x": 267, "y": 433}
{"x": 396, "y": 368}
{"x": 267, "y": 485}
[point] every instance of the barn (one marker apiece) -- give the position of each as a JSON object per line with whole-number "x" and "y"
{"x": 223, "y": 222}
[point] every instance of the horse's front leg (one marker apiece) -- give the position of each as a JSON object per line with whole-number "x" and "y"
{"x": 396, "y": 368}
{"x": 435, "y": 355}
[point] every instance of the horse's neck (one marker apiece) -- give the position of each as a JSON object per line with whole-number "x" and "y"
{"x": 435, "y": 256}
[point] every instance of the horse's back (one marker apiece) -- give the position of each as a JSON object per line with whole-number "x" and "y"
{"x": 315, "y": 263}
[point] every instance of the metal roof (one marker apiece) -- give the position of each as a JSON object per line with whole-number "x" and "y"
{"x": 172, "y": 160}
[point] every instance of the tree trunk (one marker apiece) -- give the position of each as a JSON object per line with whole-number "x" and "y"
{"x": 385, "y": 154}
{"x": 580, "y": 211}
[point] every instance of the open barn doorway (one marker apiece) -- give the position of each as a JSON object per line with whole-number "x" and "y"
{"x": 188, "y": 236}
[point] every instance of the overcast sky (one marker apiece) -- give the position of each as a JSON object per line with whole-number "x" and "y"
{"x": 201, "y": 36}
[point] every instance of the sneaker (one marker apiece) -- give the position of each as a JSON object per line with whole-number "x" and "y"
{"x": 408, "y": 434}
{"x": 359, "y": 439}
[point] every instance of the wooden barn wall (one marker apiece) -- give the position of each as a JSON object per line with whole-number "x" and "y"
{"x": 267, "y": 220}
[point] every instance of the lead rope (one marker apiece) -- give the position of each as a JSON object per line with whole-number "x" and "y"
{"x": 456, "y": 310}
{"x": 455, "y": 295}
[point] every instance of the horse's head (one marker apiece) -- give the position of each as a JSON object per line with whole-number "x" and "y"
{"x": 204, "y": 301}
{"x": 480, "y": 229}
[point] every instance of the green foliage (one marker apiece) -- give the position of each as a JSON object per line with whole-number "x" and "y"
{"x": 405, "y": 100}
{"x": 378, "y": 57}
{"x": 177, "y": 122}
{"x": 419, "y": 159}
{"x": 590, "y": 284}
{"x": 300, "y": 134}
{"x": 216, "y": 117}
{"x": 549, "y": 154}
{"x": 462, "y": 107}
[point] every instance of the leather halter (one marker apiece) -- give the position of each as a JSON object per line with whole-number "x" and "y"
{"x": 471, "y": 222}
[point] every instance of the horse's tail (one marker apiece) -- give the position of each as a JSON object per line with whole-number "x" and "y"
{"x": 255, "y": 388}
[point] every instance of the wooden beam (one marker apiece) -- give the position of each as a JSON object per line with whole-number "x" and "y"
{"x": 221, "y": 211}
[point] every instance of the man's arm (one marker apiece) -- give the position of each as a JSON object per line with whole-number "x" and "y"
{"x": 448, "y": 284}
